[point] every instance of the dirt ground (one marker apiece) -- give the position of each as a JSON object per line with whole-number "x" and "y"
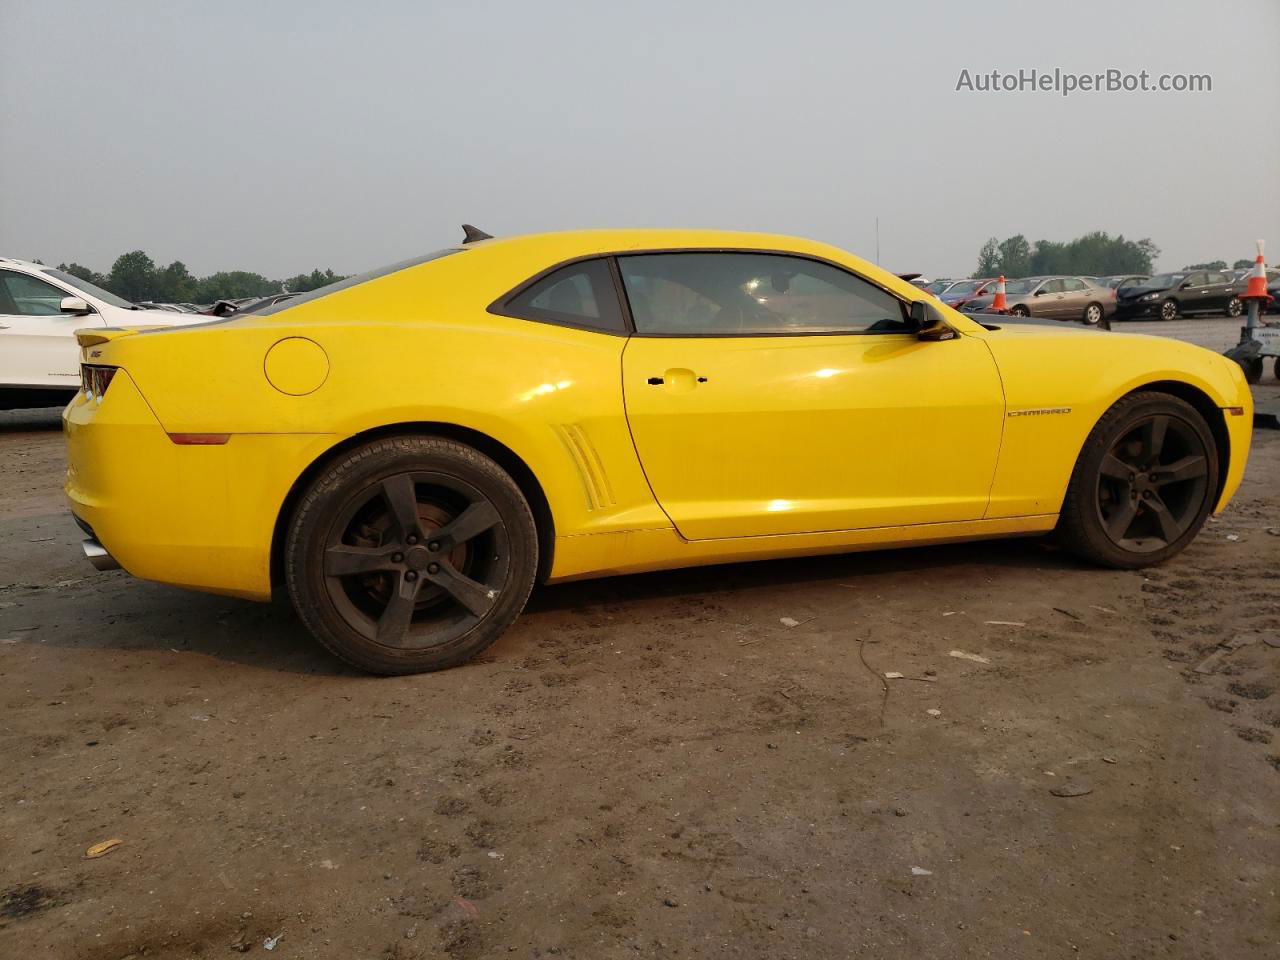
{"x": 653, "y": 766}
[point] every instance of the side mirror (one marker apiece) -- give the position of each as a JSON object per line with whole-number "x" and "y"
{"x": 75, "y": 306}
{"x": 1041, "y": 292}
{"x": 929, "y": 323}
{"x": 1184, "y": 285}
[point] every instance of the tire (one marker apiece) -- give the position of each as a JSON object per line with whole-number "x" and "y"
{"x": 1252, "y": 368}
{"x": 1169, "y": 310}
{"x": 1093, "y": 315}
{"x": 1234, "y": 307}
{"x": 410, "y": 554}
{"x": 1120, "y": 513}
{"x": 1019, "y": 310}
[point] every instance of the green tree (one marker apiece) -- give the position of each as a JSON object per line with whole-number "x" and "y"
{"x": 1015, "y": 256}
{"x": 83, "y": 273}
{"x": 234, "y": 284}
{"x": 1211, "y": 265}
{"x": 1242, "y": 265}
{"x": 174, "y": 284}
{"x": 132, "y": 276}
{"x": 305, "y": 282}
{"x": 988, "y": 259}
{"x": 1093, "y": 254}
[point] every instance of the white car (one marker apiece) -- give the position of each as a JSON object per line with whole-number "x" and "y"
{"x": 40, "y": 310}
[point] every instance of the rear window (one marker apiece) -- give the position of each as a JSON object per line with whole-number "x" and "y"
{"x": 347, "y": 284}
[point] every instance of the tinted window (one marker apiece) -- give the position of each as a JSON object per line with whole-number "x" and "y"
{"x": 1074, "y": 284}
{"x": 1218, "y": 278}
{"x": 739, "y": 294}
{"x": 27, "y": 296}
{"x": 1196, "y": 280}
{"x": 579, "y": 295}
{"x": 350, "y": 282}
{"x": 1053, "y": 286}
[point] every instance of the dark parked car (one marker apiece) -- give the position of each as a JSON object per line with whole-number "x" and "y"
{"x": 1053, "y": 298}
{"x": 1123, "y": 280}
{"x": 961, "y": 292}
{"x": 1170, "y": 294}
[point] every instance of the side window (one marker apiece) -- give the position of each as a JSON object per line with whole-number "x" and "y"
{"x": 741, "y": 294}
{"x": 1052, "y": 286}
{"x": 1196, "y": 279}
{"x": 1217, "y": 278}
{"x": 578, "y": 295}
{"x": 1074, "y": 284}
{"x": 27, "y": 296}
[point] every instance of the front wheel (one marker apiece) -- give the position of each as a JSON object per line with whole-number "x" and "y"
{"x": 1235, "y": 307}
{"x": 1169, "y": 310}
{"x": 410, "y": 554}
{"x": 1143, "y": 484}
{"x": 1020, "y": 311}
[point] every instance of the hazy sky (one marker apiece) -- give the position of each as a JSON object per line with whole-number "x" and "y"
{"x": 281, "y": 136}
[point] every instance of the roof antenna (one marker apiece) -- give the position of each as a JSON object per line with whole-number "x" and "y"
{"x": 471, "y": 234}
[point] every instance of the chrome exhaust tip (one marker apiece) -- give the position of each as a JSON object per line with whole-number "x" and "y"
{"x": 97, "y": 554}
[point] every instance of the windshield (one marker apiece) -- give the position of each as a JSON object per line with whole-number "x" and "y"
{"x": 1165, "y": 280}
{"x": 937, "y": 286}
{"x": 84, "y": 286}
{"x": 1022, "y": 286}
{"x": 965, "y": 287}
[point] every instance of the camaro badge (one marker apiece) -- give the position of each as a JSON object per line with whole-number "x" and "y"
{"x": 1043, "y": 411}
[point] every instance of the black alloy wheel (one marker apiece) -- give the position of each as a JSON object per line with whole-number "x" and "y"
{"x": 412, "y": 553}
{"x": 1143, "y": 484}
{"x": 1152, "y": 483}
{"x": 416, "y": 560}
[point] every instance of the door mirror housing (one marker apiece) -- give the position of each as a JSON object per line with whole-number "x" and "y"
{"x": 75, "y": 306}
{"x": 1041, "y": 292}
{"x": 1184, "y": 285}
{"x": 929, "y": 323}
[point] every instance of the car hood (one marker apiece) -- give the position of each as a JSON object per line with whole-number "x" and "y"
{"x": 1129, "y": 293}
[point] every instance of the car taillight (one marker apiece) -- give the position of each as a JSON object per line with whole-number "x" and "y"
{"x": 94, "y": 380}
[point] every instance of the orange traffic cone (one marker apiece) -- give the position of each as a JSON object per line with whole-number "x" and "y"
{"x": 1257, "y": 288}
{"x": 999, "y": 303}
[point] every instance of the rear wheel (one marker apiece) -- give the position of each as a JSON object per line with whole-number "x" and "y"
{"x": 1093, "y": 314}
{"x": 411, "y": 554}
{"x": 1143, "y": 484}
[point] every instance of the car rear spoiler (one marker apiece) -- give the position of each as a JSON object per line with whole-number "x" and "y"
{"x": 91, "y": 337}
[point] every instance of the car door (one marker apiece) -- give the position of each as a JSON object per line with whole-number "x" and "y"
{"x": 773, "y": 394}
{"x": 1047, "y": 301}
{"x": 37, "y": 345}
{"x": 1076, "y": 295}
{"x": 1194, "y": 293}
{"x": 1217, "y": 290}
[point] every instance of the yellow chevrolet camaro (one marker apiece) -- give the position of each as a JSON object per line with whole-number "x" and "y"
{"x": 410, "y": 450}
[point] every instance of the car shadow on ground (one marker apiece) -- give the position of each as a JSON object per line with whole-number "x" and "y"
{"x": 31, "y": 420}
{"x": 123, "y": 616}
{"x": 763, "y": 574}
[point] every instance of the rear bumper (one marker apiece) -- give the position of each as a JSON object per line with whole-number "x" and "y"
{"x": 200, "y": 517}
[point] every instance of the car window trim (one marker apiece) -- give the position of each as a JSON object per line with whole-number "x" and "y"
{"x": 499, "y": 307}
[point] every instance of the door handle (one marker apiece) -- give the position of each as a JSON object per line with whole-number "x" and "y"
{"x": 659, "y": 381}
